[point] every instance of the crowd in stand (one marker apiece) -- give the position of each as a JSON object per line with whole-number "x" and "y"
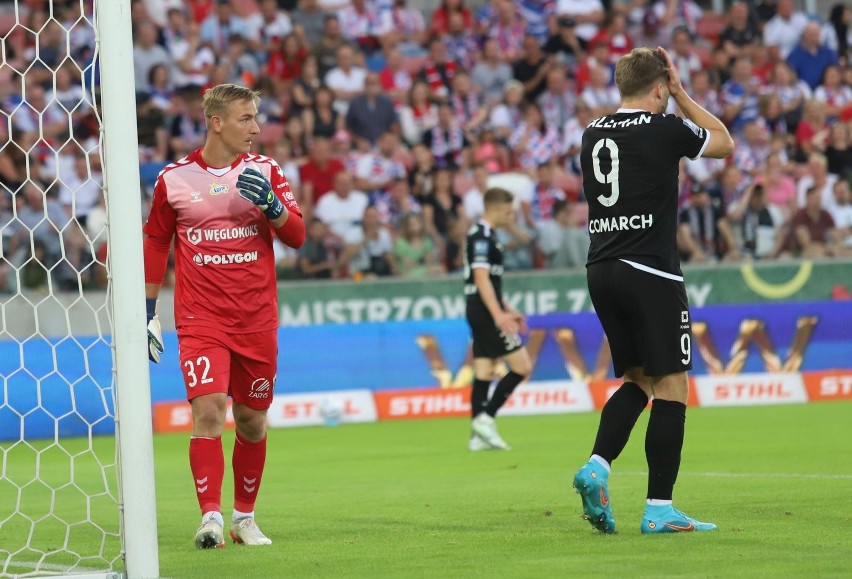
{"x": 390, "y": 125}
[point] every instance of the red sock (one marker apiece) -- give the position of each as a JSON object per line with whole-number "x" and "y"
{"x": 208, "y": 467}
{"x": 249, "y": 458}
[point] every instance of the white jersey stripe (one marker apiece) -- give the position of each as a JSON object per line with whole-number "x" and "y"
{"x": 704, "y": 146}
{"x": 652, "y": 270}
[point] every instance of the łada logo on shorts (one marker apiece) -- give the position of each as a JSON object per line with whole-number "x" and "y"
{"x": 260, "y": 388}
{"x": 224, "y": 258}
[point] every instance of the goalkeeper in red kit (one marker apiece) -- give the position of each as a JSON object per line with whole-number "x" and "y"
{"x": 222, "y": 204}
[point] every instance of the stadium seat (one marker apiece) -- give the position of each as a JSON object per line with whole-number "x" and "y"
{"x": 710, "y": 26}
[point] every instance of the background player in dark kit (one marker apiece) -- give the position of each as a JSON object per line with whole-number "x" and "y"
{"x": 493, "y": 322}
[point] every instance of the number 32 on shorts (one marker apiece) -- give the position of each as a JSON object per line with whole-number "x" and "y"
{"x": 193, "y": 369}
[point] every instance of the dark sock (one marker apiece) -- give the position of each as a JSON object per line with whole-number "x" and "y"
{"x": 504, "y": 389}
{"x": 663, "y": 443}
{"x": 618, "y": 417}
{"x": 479, "y": 396}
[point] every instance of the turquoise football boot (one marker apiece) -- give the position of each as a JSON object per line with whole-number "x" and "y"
{"x": 667, "y": 519}
{"x": 590, "y": 483}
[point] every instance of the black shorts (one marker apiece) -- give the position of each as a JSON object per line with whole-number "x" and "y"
{"x": 645, "y": 317}
{"x": 489, "y": 341}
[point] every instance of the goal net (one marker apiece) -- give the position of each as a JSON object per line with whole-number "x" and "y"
{"x": 61, "y": 496}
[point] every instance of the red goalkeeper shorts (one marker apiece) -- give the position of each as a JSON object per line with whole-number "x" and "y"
{"x": 239, "y": 365}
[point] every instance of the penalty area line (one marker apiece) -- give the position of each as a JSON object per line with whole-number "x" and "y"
{"x": 779, "y": 475}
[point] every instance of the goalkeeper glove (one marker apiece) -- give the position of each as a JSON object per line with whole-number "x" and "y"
{"x": 254, "y": 187}
{"x": 155, "y": 334}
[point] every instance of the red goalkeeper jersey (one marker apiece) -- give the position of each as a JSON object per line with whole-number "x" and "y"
{"x": 224, "y": 263}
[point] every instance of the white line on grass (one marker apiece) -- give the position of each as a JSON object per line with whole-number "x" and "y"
{"x": 76, "y": 571}
{"x": 752, "y": 475}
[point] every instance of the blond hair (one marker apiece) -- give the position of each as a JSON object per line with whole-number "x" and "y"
{"x": 638, "y": 71}
{"x": 217, "y": 99}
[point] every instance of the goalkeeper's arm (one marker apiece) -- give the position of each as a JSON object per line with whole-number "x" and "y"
{"x": 292, "y": 232}
{"x": 155, "y": 332}
{"x": 159, "y": 231}
{"x": 156, "y": 260}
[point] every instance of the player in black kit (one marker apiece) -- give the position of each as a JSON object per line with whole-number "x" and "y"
{"x": 495, "y": 325}
{"x": 630, "y": 173}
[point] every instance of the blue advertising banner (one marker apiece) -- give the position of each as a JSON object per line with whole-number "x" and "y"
{"x": 61, "y": 388}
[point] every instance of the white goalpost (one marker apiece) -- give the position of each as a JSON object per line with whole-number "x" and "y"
{"x": 76, "y": 446}
{"x": 132, "y": 380}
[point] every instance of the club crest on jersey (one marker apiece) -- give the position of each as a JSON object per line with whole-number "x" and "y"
{"x": 193, "y": 235}
{"x": 195, "y": 196}
{"x": 218, "y": 189}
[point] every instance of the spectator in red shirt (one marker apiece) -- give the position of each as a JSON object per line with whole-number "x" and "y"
{"x": 812, "y": 130}
{"x": 439, "y": 70}
{"x": 285, "y": 64}
{"x": 615, "y": 35}
{"x": 762, "y": 64}
{"x": 318, "y": 174}
{"x": 200, "y": 9}
{"x": 441, "y": 16}
{"x": 396, "y": 81}
{"x": 598, "y": 57}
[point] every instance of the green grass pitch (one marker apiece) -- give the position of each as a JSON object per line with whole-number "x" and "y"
{"x": 407, "y": 499}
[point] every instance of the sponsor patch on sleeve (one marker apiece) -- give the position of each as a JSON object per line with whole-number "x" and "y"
{"x": 699, "y": 132}
{"x": 480, "y": 250}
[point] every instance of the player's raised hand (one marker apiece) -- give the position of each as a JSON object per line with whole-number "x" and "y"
{"x": 675, "y": 86}
{"x": 155, "y": 333}
{"x": 256, "y": 188}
